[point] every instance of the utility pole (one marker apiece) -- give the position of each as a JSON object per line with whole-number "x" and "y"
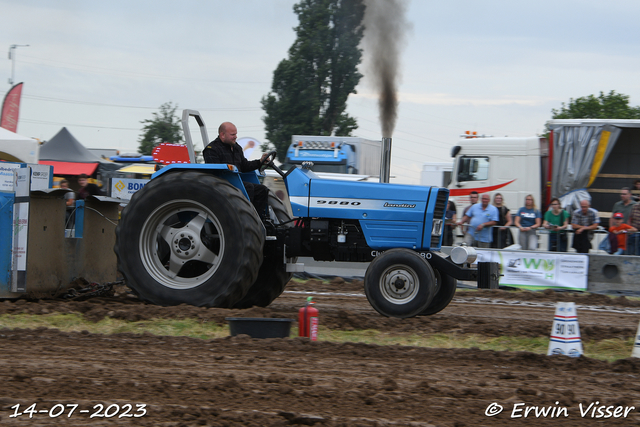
{"x": 12, "y": 57}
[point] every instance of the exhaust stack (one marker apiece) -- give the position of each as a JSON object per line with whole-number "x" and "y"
{"x": 385, "y": 160}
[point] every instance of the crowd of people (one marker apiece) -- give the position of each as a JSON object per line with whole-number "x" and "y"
{"x": 487, "y": 225}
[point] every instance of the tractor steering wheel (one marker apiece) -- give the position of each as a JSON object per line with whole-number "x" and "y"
{"x": 268, "y": 161}
{"x": 271, "y": 156}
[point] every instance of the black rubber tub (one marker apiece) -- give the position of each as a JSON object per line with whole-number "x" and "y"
{"x": 259, "y": 327}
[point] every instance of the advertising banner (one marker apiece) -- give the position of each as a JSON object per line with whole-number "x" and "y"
{"x": 20, "y": 230}
{"x": 11, "y": 109}
{"x": 41, "y": 177}
{"x": 7, "y": 172}
{"x": 123, "y": 188}
{"x": 534, "y": 270}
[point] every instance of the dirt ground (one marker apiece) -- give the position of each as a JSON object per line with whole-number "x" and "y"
{"x": 239, "y": 381}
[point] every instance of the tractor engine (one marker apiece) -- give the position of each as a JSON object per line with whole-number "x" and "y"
{"x": 328, "y": 240}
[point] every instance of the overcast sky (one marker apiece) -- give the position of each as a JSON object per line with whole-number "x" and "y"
{"x": 495, "y": 67}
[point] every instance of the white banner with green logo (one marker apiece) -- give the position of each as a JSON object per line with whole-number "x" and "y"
{"x": 531, "y": 270}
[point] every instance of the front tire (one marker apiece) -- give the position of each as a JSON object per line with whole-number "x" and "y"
{"x": 446, "y": 289}
{"x": 399, "y": 283}
{"x": 189, "y": 237}
{"x": 273, "y": 275}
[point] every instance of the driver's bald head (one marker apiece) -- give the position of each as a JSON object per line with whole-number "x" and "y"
{"x": 228, "y": 133}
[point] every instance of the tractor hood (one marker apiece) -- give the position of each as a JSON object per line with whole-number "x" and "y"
{"x": 312, "y": 196}
{"x": 375, "y": 205}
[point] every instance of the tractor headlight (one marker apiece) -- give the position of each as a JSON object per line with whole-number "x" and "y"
{"x": 436, "y": 228}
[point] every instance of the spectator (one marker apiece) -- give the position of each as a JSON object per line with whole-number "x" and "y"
{"x": 624, "y": 205}
{"x": 70, "y": 201}
{"x": 528, "y": 219}
{"x": 502, "y": 236}
{"x": 620, "y": 229}
{"x": 86, "y": 189}
{"x": 633, "y": 240}
{"x": 556, "y": 220}
{"x": 449, "y": 224}
{"x": 583, "y": 222}
{"x": 636, "y": 190}
{"x": 468, "y": 234}
{"x": 481, "y": 217}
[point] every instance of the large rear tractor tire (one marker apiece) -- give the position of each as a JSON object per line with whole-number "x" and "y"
{"x": 273, "y": 276}
{"x": 399, "y": 283}
{"x": 189, "y": 237}
{"x": 446, "y": 289}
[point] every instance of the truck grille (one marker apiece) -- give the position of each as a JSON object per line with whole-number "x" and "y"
{"x": 438, "y": 214}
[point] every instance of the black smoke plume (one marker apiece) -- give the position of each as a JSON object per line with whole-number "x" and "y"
{"x": 384, "y": 36}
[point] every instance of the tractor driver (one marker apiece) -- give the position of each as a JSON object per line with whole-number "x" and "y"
{"x": 224, "y": 149}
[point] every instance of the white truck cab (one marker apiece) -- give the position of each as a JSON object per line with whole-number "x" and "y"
{"x": 514, "y": 167}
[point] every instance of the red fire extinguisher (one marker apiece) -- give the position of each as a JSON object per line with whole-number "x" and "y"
{"x": 308, "y": 321}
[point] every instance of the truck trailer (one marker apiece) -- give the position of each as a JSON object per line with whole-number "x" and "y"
{"x": 587, "y": 158}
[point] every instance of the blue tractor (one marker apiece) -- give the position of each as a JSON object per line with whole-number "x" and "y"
{"x": 192, "y": 236}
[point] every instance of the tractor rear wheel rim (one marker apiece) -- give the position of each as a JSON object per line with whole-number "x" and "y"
{"x": 179, "y": 234}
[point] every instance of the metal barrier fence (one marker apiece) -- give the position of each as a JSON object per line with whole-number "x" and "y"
{"x": 507, "y": 237}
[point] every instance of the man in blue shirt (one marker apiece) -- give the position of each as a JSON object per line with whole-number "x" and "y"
{"x": 481, "y": 217}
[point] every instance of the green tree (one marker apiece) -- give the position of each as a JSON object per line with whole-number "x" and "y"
{"x": 310, "y": 89}
{"x": 611, "y": 106}
{"x": 164, "y": 127}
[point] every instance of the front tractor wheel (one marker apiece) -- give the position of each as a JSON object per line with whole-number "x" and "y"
{"x": 399, "y": 283}
{"x": 446, "y": 289}
{"x": 189, "y": 237}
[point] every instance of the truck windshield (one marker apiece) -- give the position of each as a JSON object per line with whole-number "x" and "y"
{"x": 473, "y": 168}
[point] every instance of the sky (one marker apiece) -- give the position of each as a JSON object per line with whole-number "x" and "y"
{"x": 496, "y": 67}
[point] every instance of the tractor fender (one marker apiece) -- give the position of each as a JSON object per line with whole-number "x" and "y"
{"x": 229, "y": 173}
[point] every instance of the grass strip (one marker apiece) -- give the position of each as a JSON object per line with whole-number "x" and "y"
{"x": 609, "y": 350}
{"x": 76, "y": 323}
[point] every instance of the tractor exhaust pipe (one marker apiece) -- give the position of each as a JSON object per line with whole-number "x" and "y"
{"x": 385, "y": 160}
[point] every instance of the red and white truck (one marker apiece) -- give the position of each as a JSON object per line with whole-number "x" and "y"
{"x": 586, "y": 158}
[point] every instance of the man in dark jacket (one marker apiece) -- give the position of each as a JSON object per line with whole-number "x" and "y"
{"x": 224, "y": 149}
{"x": 87, "y": 189}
